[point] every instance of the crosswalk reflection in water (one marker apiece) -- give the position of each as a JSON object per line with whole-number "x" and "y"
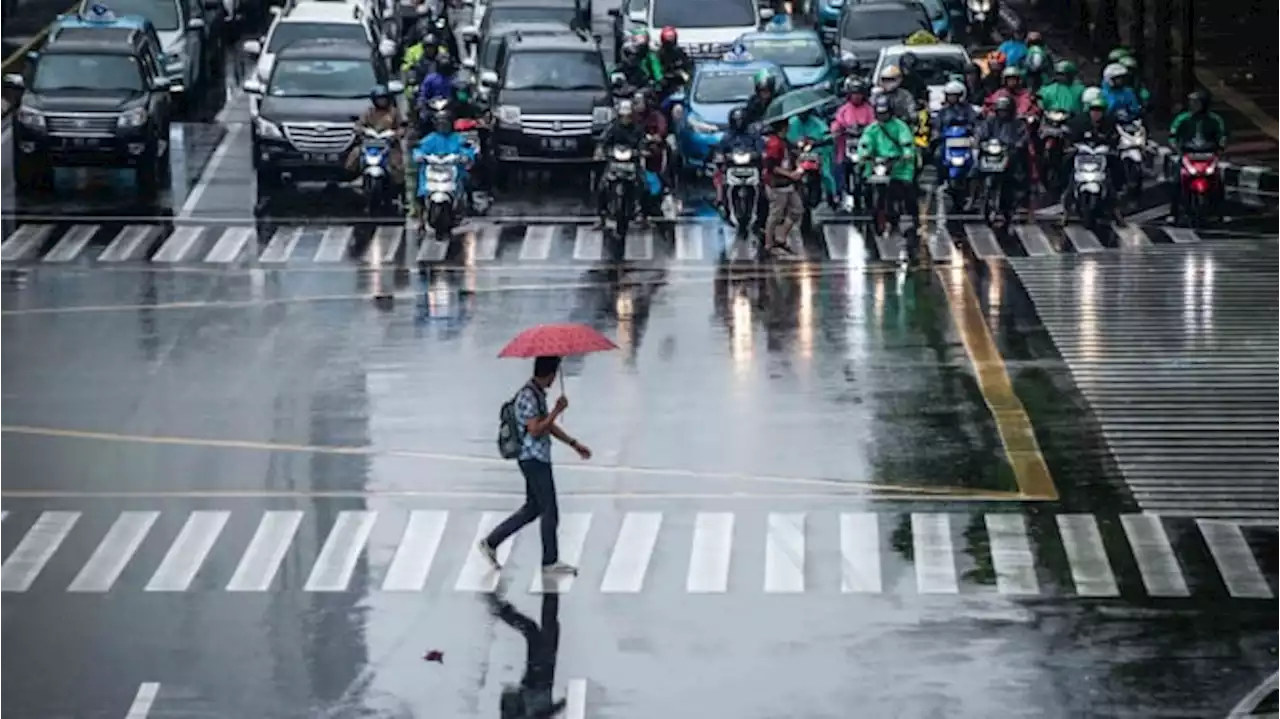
{"x": 1131, "y": 556}
{"x": 694, "y": 242}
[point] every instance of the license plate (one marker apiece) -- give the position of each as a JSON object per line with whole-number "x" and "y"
{"x": 320, "y": 156}
{"x": 83, "y": 142}
{"x": 560, "y": 144}
{"x": 993, "y": 165}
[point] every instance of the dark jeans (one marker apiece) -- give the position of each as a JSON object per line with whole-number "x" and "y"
{"x": 539, "y": 501}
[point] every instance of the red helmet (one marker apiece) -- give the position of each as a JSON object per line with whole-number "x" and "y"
{"x": 668, "y": 36}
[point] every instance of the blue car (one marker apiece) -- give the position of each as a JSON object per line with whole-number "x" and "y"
{"x": 800, "y": 54}
{"x": 716, "y": 88}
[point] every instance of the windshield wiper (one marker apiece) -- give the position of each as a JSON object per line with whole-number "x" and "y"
{"x": 79, "y": 88}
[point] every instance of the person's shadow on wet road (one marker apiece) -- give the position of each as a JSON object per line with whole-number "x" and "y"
{"x": 532, "y": 699}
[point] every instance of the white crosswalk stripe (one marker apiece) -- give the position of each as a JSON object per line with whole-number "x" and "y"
{"x": 635, "y": 552}
{"x": 695, "y": 242}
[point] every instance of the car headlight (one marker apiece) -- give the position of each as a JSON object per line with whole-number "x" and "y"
{"x": 267, "y": 129}
{"x": 31, "y": 118}
{"x": 703, "y": 128}
{"x": 602, "y": 116}
{"x": 137, "y": 117}
{"x": 508, "y": 114}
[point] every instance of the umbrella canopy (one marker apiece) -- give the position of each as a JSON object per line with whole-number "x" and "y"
{"x": 558, "y": 340}
{"x": 793, "y": 103}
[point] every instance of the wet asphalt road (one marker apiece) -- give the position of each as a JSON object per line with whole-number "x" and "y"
{"x": 1009, "y": 487}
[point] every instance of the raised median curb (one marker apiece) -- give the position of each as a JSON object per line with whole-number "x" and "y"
{"x": 1241, "y": 178}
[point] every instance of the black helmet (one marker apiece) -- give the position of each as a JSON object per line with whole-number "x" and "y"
{"x": 443, "y": 118}
{"x": 765, "y": 79}
{"x": 882, "y": 105}
{"x": 1200, "y": 97}
{"x": 907, "y": 62}
{"x": 1004, "y": 105}
{"x": 379, "y": 92}
{"x": 738, "y": 119}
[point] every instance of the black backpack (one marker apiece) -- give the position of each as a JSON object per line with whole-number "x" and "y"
{"x": 510, "y": 433}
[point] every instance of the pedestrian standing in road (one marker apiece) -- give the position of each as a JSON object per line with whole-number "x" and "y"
{"x": 527, "y": 411}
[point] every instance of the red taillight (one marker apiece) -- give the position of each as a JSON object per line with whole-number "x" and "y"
{"x": 1200, "y": 185}
{"x": 464, "y": 125}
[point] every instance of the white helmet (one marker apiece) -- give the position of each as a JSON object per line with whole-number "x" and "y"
{"x": 1089, "y": 95}
{"x": 954, "y": 87}
{"x": 1114, "y": 70}
{"x": 891, "y": 75}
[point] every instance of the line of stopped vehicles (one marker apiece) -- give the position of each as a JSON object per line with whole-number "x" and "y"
{"x": 470, "y": 99}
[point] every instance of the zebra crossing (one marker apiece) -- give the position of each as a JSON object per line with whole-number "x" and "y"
{"x": 1177, "y": 357}
{"x": 695, "y": 242}
{"x": 631, "y": 552}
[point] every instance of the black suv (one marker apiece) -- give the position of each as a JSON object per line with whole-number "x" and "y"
{"x": 305, "y": 124}
{"x": 92, "y": 102}
{"x": 550, "y": 98}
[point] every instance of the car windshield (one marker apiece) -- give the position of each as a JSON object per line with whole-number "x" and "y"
{"x": 571, "y": 70}
{"x": 886, "y": 24}
{"x": 933, "y": 8}
{"x": 162, "y": 13}
{"x": 493, "y": 41}
{"x": 934, "y": 69}
{"x": 322, "y": 78}
{"x": 287, "y": 33}
{"x": 731, "y": 86}
{"x": 788, "y": 51}
{"x": 704, "y": 13}
{"x": 87, "y": 72}
{"x": 515, "y": 14}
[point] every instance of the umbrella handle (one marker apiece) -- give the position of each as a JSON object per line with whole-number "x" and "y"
{"x": 561, "y": 382}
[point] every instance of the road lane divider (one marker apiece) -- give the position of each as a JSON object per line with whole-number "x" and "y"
{"x": 143, "y": 701}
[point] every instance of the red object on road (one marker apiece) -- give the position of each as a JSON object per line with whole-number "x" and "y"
{"x": 558, "y": 340}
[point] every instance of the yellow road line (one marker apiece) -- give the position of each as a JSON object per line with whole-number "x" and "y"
{"x": 874, "y": 488}
{"x": 1012, "y": 423}
{"x": 21, "y": 53}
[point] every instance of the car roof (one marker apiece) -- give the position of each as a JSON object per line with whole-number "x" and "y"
{"x": 537, "y": 27}
{"x": 532, "y": 3}
{"x": 941, "y": 48}
{"x": 559, "y": 41}
{"x": 885, "y": 7}
{"x": 324, "y": 50}
{"x": 126, "y": 22}
{"x": 85, "y": 45}
{"x": 749, "y": 66}
{"x": 92, "y": 33}
{"x": 797, "y": 34}
{"x": 321, "y": 12}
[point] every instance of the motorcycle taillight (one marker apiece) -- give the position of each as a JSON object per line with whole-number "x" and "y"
{"x": 1200, "y": 185}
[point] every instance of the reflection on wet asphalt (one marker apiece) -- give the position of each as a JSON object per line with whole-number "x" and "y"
{"x": 238, "y": 485}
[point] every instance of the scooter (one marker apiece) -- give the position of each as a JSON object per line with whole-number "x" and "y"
{"x": 982, "y": 16}
{"x": 957, "y": 162}
{"x": 1053, "y": 132}
{"x": 742, "y": 188}
{"x": 621, "y": 180}
{"x": 855, "y": 200}
{"x": 993, "y": 166}
{"x": 810, "y": 163}
{"x": 1131, "y": 145}
{"x": 1201, "y": 185}
{"x": 883, "y": 206}
{"x": 443, "y": 199}
{"x": 375, "y": 153}
{"x": 1092, "y": 186}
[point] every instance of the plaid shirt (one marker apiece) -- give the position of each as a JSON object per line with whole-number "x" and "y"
{"x": 531, "y": 403}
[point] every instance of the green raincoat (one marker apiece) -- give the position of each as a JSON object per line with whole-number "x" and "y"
{"x": 814, "y": 128}
{"x": 412, "y": 56}
{"x": 1061, "y": 97}
{"x": 892, "y": 139}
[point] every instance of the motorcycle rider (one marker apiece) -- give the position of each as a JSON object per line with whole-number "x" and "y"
{"x": 904, "y": 106}
{"x": 973, "y": 81}
{"x": 418, "y": 55}
{"x": 677, "y": 67}
{"x": 911, "y": 80}
{"x": 809, "y": 126}
{"x": 766, "y": 90}
{"x": 1094, "y": 126}
{"x": 381, "y": 115}
{"x": 781, "y": 177}
{"x": 1131, "y": 64}
{"x": 647, "y": 60}
{"x": 1064, "y": 93}
{"x": 1037, "y": 63}
{"x": 658, "y": 140}
{"x": 1116, "y": 90}
{"x": 440, "y": 82}
{"x": 1197, "y": 126}
{"x": 737, "y": 137}
{"x": 624, "y": 130}
{"x": 1015, "y": 48}
{"x": 1006, "y": 126}
{"x": 955, "y": 112}
{"x": 993, "y": 78}
{"x": 890, "y": 138}
{"x": 854, "y": 112}
{"x": 1024, "y": 101}
{"x": 442, "y": 141}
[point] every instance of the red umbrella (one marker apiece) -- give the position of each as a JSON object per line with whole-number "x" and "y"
{"x": 558, "y": 340}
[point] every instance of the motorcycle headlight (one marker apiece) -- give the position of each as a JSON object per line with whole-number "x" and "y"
{"x": 137, "y": 117}
{"x": 267, "y": 129}
{"x": 1056, "y": 116}
{"x": 993, "y": 147}
{"x": 957, "y": 161}
{"x": 703, "y": 128}
{"x": 602, "y": 116}
{"x": 622, "y": 154}
{"x": 508, "y": 114}
{"x": 741, "y": 158}
{"x": 881, "y": 170}
{"x": 31, "y": 118}
{"x": 980, "y": 5}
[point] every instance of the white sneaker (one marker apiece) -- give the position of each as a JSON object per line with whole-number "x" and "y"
{"x": 560, "y": 568}
{"x": 489, "y": 553}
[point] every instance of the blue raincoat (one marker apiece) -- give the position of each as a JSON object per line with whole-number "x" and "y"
{"x": 815, "y": 128}
{"x": 1122, "y": 98}
{"x": 435, "y": 85}
{"x": 438, "y": 144}
{"x": 1015, "y": 51}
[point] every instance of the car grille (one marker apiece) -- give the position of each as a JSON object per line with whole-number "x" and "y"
{"x": 556, "y": 125}
{"x": 81, "y": 125}
{"x": 311, "y": 137}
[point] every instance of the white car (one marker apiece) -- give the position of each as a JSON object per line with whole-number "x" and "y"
{"x": 706, "y": 28}
{"x": 936, "y": 64}
{"x": 313, "y": 20}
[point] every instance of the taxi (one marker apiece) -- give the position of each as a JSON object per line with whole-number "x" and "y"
{"x": 800, "y": 53}
{"x": 716, "y": 88}
{"x": 98, "y": 16}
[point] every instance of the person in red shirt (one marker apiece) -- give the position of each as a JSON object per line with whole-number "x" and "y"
{"x": 780, "y": 178}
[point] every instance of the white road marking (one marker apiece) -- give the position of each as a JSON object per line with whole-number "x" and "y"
{"x": 1182, "y": 235}
{"x": 1090, "y": 567}
{"x": 433, "y": 250}
{"x": 983, "y": 241}
{"x": 142, "y": 701}
{"x": 1083, "y": 240}
{"x": 631, "y": 554}
{"x": 114, "y": 552}
{"x": 210, "y": 171}
{"x": 35, "y": 550}
{"x": 72, "y": 243}
{"x": 486, "y": 243}
{"x": 888, "y": 245}
{"x": 24, "y": 241}
{"x": 575, "y": 705}
{"x": 230, "y": 245}
{"x": 537, "y": 243}
{"x": 187, "y": 553}
{"x": 125, "y": 246}
{"x": 933, "y": 553}
{"x": 1234, "y": 558}
{"x": 572, "y": 540}
{"x": 588, "y": 245}
{"x": 334, "y": 244}
{"x": 712, "y": 549}
{"x": 266, "y": 550}
{"x": 639, "y": 246}
{"x": 689, "y": 242}
{"x": 477, "y": 574}
{"x": 1011, "y": 554}
{"x": 176, "y": 247}
{"x": 1149, "y": 214}
{"x": 1034, "y": 240}
{"x": 860, "y": 553}
{"x": 281, "y": 246}
{"x": 341, "y": 550}
{"x": 1131, "y": 236}
{"x": 418, "y": 547}
{"x": 784, "y": 552}
{"x": 1156, "y": 561}
{"x": 384, "y": 245}
{"x": 840, "y": 240}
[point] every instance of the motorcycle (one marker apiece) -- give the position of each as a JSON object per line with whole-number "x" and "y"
{"x": 881, "y": 185}
{"x": 742, "y": 188}
{"x": 375, "y": 154}
{"x": 957, "y": 161}
{"x": 1131, "y": 145}
{"x": 444, "y": 201}
{"x": 810, "y": 163}
{"x": 621, "y": 181}
{"x": 1201, "y": 184}
{"x": 427, "y": 112}
{"x": 855, "y": 198}
{"x": 1053, "y": 132}
{"x": 981, "y": 16}
{"x": 993, "y": 166}
{"x": 660, "y": 184}
{"x": 1092, "y": 191}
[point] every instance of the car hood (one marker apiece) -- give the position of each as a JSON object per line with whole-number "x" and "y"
{"x": 561, "y": 102}
{"x": 715, "y": 113}
{"x": 312, "y": 109}
{"x": 866, "y": 50}
{"x": 82, "y": 100}
{"x": 804, "y": 76}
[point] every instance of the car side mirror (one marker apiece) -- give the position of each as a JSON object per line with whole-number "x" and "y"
{"x": 161, "y": 84}
{"x": 638, "y": 17}
{"x": 15, "y": 81}
{"x": 469, "y": 33}
{"x": 395, "y": 86}
{"x": 275, "y": 10}
{"x": 387, "y": 47}
{"x": 469, "y": 63}
{"x": 488, "y": 78}
{"x": 614, "y": 12}
{"x": 597, "y": 37}
{"x": 253, "y": 86}
{"x": 252, "y": 48}
{"x": 766, "y": 13}
{"x": 195, "y": 23}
